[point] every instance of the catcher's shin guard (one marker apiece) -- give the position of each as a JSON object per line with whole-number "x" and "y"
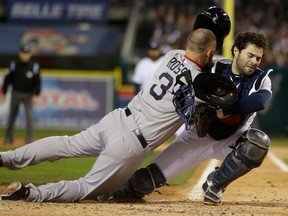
{"x": 250, "y": 151}
{"x": 146, "y": 180}
{"x": 212, "y": 195}
{"x": 143, "y": 182}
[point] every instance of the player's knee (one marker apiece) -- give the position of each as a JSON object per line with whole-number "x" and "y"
{"x": 146, "y": 180}
{"x": 253, "y": 148}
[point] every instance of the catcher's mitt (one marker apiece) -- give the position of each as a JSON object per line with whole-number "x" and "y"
{"x": 216, "y": 90}
{"x": 202, "y": 118}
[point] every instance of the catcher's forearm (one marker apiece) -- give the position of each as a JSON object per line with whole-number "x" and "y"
{"x": 257, "y": 101}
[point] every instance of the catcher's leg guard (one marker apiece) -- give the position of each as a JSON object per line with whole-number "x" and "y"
{"x": 146, "y": 180}
{"x": 250, "y": 151}
{"x": 143, "y": 182}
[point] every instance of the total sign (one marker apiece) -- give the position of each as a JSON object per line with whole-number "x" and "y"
{"x": 72, "y": 103}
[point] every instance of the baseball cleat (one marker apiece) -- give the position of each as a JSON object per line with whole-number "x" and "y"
{"x": 14, "y": 191}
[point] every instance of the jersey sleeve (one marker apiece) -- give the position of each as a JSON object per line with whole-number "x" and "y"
{"x": 8, "y": 77}
{"x": 37, "y": 79}
{"x": 257, "y": 101}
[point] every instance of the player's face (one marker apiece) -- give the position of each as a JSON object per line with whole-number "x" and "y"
{"x": 154, "y": 54}
{"x": 25, "y": 57}
{"x": 246, "y": 61}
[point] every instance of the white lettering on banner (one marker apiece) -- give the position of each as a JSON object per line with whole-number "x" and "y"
{"x": 67, "y": 100}
{"x": 84, "y": 11}
{"x": 36, "y": 10}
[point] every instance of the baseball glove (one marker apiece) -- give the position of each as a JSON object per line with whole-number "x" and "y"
{"x": 216, "y": 90}
{"x": 202, "y": 118}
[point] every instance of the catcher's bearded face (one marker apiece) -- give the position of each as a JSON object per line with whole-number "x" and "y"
{"x": 247, "y": 60}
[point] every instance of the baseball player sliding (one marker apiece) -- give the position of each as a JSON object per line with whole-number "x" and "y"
{"x": 224, "y": 134}
{"x": 124, "y": 137}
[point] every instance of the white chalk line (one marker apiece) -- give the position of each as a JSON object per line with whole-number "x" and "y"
{"x": 197, "y": 192}
{"x": 278, "y": 162}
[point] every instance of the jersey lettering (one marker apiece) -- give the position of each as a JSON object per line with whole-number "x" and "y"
{"x": 176, "y": 66}
{"x": 164, "y": 87}
{"x": 158, "y": 91}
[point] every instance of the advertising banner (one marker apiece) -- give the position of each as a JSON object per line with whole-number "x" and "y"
{"x": 67, "y": 103}
{"x": 59, "y": 11}
{"x": 60, "y": 41}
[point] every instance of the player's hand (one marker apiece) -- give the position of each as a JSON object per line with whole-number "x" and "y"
{"x": 34, "y": 99}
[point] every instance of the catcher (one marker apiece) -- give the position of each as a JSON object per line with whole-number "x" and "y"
{"x": 221, "y": 128}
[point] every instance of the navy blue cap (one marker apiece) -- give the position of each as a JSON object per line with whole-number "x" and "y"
{"x": 25, "y": 48}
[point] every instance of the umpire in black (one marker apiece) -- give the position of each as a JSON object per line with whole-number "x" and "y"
{"x": 23, "y": 76}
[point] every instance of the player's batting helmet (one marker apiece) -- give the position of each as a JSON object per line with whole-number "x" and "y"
{"x": 216, "y": 20}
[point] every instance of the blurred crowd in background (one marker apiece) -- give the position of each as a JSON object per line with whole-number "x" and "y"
{"x": 174, "y": 20}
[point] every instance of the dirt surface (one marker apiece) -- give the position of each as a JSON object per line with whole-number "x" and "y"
{"x": 263, "y": 191}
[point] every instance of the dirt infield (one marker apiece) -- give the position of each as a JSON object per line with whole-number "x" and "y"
{"x": 263, "y": 191}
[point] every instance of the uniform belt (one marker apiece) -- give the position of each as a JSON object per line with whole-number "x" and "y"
{"x": 137, "y": 132}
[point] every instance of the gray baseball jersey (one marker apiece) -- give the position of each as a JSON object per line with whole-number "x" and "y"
{"x": 121, "y": 140}
{"x": 152, "y": 108}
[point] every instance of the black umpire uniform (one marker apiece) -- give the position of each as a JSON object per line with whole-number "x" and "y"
{"x": 23, "y": 76}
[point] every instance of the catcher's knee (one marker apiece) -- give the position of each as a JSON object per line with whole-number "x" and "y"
{"x": 146, "y": 180}
{"x": 252, "y": 148}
